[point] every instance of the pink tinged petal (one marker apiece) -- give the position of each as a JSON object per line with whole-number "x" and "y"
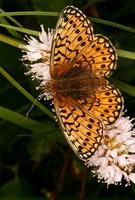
{"x": 33, "y": 56}
{"x": 124, "y": 123}
{"x": 111, "y": 172}
{"x": 43, "y": 35}
{"x": 123, "y": 136}
{"x": 131, "y": 159}
{"x": 127, "y": 125}
{"x": 122, "y": 160}
{"x": 46, "y": 38}
{"x": 97, "y": 161}
{"x": 118, "y": 177}
{"x": 103, "y": 161}
{"x": 100, "y": 152}
{"x": 132, "y": 148}
{"x": 34, "y": 45}
{"x": 119, "y": 122}
{"x": 130, "y": 141}
{"x": 112, "y": 132}
{"x": 109, "y": 175}
{"x": 113, "y": 153}
{"x": 40, "y": 71}
{"x": 30, "y": 48}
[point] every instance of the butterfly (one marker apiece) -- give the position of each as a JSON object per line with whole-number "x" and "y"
{"x": 80, "y": 64}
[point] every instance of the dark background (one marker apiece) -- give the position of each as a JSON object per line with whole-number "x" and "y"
{"x": 37, "y": 165}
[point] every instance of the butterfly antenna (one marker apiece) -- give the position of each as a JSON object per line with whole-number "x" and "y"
{"x": 31, "y": 107}
{"x": 40, "y": 96}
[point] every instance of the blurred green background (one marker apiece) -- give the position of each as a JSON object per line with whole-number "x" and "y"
{"x": 35, "y": 160}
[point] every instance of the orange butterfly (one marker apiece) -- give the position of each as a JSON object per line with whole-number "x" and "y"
{"x": 83, "y": 98}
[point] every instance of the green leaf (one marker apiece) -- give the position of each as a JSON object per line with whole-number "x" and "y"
{"x": 15, "y": 188}
{"x": 25, "y": 122}
{"x": 38, "y": 147}
{"x": 46, "y": 128}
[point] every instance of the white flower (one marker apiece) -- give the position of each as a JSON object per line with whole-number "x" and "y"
{"x": 37, "y": 54}
{"x": 115, "y": 158}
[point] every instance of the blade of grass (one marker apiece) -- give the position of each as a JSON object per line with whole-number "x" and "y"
{"x": 113, "y": 24}
{"x": 30, "y": 13}
{"x": 126, "y": 54}
{"x": 11, "y": 41}
{"x": 56, "y": 14}
{"x": 22, "y": 30}
{"x": 130, "y": 90}
{"x": 22, "y": 109}
{"x": 22, "y": 121}
{"x": 25, "y": 93}
{"x": 29, "y": 124}
{"x": 12, "y": 19}
{"x": 11, "y": 32}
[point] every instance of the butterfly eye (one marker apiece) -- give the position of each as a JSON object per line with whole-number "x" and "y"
{"x": 65, "y": 18}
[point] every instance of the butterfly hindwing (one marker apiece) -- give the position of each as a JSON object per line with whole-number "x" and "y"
{"x": 82, "y": 130}
{"x": 107, "y": 105}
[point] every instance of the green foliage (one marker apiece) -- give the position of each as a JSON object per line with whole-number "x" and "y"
{"x": 15, "y": 188}
{"x": 35, "y": 160}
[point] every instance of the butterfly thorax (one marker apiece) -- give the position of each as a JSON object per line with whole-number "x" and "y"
{"x": 81, "y": 85}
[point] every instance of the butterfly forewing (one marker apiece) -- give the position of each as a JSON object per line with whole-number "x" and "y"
{"x": 99, "y": 57}
{"x": 73, "y": 30}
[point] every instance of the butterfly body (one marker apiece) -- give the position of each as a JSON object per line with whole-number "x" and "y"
{"x": 84, "y": 100}
{"x": 77, "y": 84}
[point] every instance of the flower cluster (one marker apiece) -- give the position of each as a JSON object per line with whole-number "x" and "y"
{"x": 114, "y": 160}
{"x": 37, "y": 55}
